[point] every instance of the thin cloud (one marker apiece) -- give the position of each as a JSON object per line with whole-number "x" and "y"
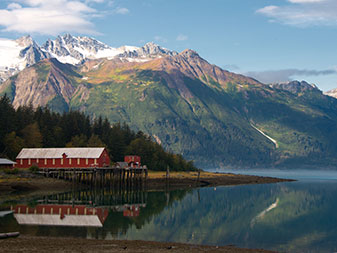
{"x": 231, "y": 67}
{"x": 122, "y": 10}
{"x": 95, "y": 1}
{"x": 284, "y": 75}
{"x": 303, "y": 12}
{"x": 160, "y": 39}
{"x": 48, "y": 17}
{"x": 182, "y": 37}
{"x": 13, "y": 6}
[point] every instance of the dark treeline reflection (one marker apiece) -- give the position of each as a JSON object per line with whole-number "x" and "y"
{"x": 298, "y": 217}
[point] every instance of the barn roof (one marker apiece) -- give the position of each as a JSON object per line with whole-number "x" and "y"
{"x": 6, "y": 161}
{"x": 34, "y": 153}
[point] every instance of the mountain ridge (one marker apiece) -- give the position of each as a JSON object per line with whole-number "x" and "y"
{"x": 24, "y": 52}
{"x": 192, "y": 107}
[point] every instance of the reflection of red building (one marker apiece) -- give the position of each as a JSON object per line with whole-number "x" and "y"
{"x": 63, "y": 157}
{"x": 131, "y": 211}
{"x": 60, "y": 215}
{"x": 132, "y": 160}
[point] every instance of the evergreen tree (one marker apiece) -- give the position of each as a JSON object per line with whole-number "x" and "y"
{"x": 32, "y": 136}
{"x": 28, "y": 127}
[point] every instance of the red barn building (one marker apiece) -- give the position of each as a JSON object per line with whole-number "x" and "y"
{"x": 63, "y": 157}
{"x": 132, "y": 160}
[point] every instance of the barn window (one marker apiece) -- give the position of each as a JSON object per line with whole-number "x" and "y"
{"x": 62, "y": 161}
{"x": 45, "y": 161}
{"x": 37, "y": 160}
{"x": 95, "y": 162}
{"x": 87, "y": 161}
{"x": 29, "y": 161}
{"x": 78, "y": 161}
{"x": 69, "y": 161}
{"x": 21, "y": 161}
{"x": 53, "y": 161}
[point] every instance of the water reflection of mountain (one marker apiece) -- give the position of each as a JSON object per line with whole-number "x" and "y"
{"x": 287, "y": 217}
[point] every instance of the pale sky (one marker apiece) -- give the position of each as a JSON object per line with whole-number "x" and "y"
{"x": 270, "y": 40}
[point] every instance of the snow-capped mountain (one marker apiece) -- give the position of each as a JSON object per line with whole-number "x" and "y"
{"x": 331, "y": 93}
{"x": 74, "y": 50}
{"x": 15, "y": 55}
{"x": 295, "y": 86}
{"x": 147, "y": 52}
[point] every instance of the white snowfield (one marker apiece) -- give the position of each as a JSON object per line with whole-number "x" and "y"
{"x": 10, "y": 55}
{"x": 265, "y": 135}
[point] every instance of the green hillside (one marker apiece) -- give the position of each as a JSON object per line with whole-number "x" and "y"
{"x": 209, "y": 115}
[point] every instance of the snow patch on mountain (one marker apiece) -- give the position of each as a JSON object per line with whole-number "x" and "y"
{"x": 15, "y": 55}
{"x": 75, "y": 50}
{"x": 331, "y": 93}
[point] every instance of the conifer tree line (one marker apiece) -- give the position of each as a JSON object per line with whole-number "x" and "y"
{"x": 36, "y": 128}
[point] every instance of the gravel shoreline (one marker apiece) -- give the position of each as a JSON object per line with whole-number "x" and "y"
{"x": 57, "y": 244}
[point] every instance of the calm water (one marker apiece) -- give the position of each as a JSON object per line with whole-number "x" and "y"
{"x": 291, "y": 217}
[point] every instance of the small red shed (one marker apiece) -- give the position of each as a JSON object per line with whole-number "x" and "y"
{"x": 63, "y": 157}
{"x": 132, "y": 160}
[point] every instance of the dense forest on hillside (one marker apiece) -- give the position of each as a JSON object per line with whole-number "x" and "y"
{"x": 34, "y": 128}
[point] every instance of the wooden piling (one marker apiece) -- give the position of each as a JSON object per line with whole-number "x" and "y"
{"x": 112, "y": 177}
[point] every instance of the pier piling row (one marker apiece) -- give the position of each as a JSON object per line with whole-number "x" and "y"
{"x": 98, "y": 176}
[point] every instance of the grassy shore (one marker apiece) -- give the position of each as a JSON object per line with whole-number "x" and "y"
{"x": 26, "y": 182}
{"x": 57, "y": 244}
{"x": 157, "y": 180}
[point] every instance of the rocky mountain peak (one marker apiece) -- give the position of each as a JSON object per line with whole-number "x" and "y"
{"x": 25, "y": 41}
{"x": 18, "y": 54}
{"x": 295, "y": 86}
{"x": 68, "y": 38}
{"x": 189, "y": 53}
{"x": 152, "y": 49}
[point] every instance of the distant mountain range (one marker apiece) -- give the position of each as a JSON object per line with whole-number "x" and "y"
{"x": 15, "y": 55}
{"x": 332, "y": 93}
{"x": 190, "y": 106}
